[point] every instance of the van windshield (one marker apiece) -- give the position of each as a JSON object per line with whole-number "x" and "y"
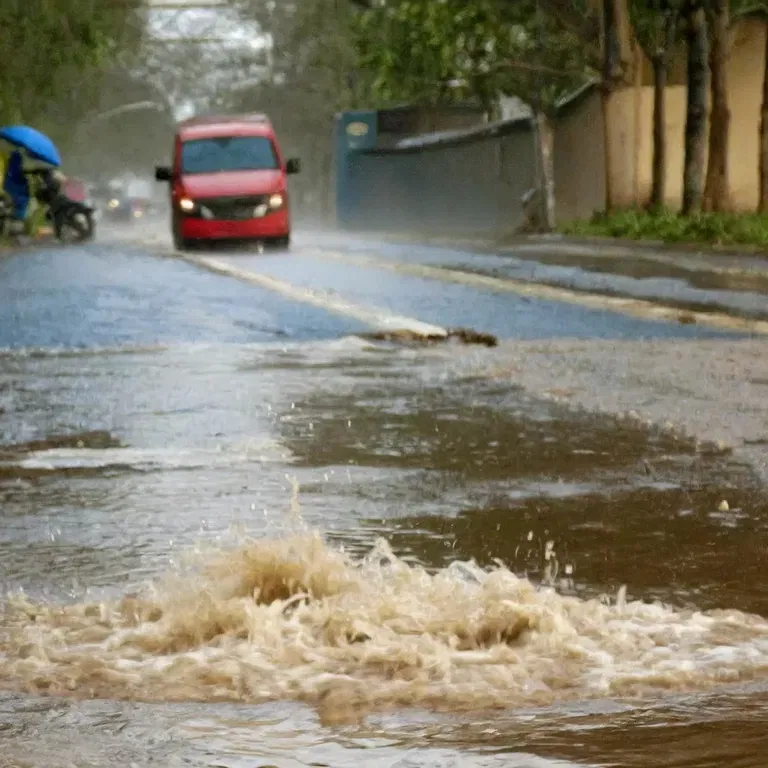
{"x": 228, "y": 153}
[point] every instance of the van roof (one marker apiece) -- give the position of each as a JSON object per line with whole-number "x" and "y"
{"x": 255, "y": 124}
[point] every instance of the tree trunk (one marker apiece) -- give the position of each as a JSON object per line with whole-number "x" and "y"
{"x": 607, "y": 93}
{"x": 696, "y": 111}
{"x": 617, "y": 65}
{"x": 666, "y": 25}
{"x": 638, "y": 124}
{"x": 716, "y": 189}
{"x": 659, "y": 172}
{"x": 545, "y": 145}
{"x": 763, "y": 204}
{"x": 616, "y": 43}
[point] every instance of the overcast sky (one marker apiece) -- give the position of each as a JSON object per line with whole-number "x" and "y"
{"x": 189, "y": 20}
{"x": 186, "y": 20}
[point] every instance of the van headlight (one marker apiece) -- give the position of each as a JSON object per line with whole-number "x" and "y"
{"x": 186, "y": 204}
{"x": 276, "y": 201}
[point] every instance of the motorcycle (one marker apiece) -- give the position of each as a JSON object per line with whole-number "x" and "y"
{"x": 72, "y": 220}
{"x": 5, "y": 214}
{"x": 8, "y": 222}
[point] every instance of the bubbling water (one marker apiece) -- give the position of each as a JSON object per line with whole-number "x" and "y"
{"x": 294, "y": 618}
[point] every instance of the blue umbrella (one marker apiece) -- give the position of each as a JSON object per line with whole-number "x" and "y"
{"x": 37, "y": 145}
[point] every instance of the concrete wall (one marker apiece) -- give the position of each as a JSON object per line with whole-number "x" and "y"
{"x": 580, "y": 159}
{"x": 401, "y": 122}
{"x": 580, "y": 150}
{"x": 745, "y": 74}
{"x": 472, "y": 185}
{"x": 631, "y": 128}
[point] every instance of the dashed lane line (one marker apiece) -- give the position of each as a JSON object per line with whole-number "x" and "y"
{"x": 374, "y": 317}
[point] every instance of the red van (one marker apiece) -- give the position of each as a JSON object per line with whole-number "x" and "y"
{"x": 229, "y": 181}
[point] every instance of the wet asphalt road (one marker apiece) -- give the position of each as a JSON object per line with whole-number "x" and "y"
{"x": 151, "y": 409}
{"x": 731, "y": 284}
{"x": 107, "y": 295}
{"x": 103, "y": 296}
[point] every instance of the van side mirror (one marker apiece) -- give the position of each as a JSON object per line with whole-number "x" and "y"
{"x": 293, "y": 165}
{"x": 163, "y": 173}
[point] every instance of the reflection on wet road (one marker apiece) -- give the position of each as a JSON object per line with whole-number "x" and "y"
{"x": 672, "y": 279}
{"x": 506, "y": 316}
{"x": 107, "y": 297}
{"x": 256, "y": 539}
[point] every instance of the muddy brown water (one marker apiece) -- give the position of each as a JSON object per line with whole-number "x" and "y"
{"x": 324, "y": 553}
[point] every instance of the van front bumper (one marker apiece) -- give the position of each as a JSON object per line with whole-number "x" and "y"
{"x": 273, "y": 225}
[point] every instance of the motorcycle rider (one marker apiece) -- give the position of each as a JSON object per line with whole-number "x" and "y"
{"x": 51, "y": 182}
{"x": 16, "y": 185}
{"x": 43, "y": 188}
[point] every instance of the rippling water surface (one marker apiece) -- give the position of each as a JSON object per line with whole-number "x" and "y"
{"x": 297, "y": 552}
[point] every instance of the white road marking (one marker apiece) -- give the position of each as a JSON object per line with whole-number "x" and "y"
{"x": 374, "y": 317}
{"x": 640, "y": 308}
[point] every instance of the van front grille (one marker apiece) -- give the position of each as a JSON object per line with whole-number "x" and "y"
{"x": 233, "y": 208}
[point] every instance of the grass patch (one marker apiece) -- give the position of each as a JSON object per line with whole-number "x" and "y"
{"x": 713, "y": 228}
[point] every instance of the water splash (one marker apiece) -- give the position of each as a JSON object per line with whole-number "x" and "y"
{"x": 294, "y": 618}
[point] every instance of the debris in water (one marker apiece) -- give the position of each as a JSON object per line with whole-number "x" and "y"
{"x": 723, "y": 506}
{"x": 714, "y": 448}
{"x": 408, "y": 336}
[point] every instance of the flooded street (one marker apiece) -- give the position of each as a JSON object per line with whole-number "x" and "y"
{"x": 238, "y": 532}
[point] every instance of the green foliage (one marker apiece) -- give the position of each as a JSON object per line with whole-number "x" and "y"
{"x": 430, "y": 52}
{"x": 554, "y": 54}
{"x": 671, "y": 227}
{"x": 441, "y": 52}
{"x": 46, "y": 47}
{"x": 657, "y": 31}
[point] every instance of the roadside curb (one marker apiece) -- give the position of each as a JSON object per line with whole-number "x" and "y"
{"x": 694, "y": 257}
{"x": 510, "y": 241}
{"x": 625, "y": 242}
{"x": 718, "y": 249}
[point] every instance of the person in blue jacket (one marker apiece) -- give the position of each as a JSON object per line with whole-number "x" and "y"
{"x": 16, "y": 184}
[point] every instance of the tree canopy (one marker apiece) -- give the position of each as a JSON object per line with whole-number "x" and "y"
{"x": 415, "y": 51}
{"x": 50, "y": 49}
